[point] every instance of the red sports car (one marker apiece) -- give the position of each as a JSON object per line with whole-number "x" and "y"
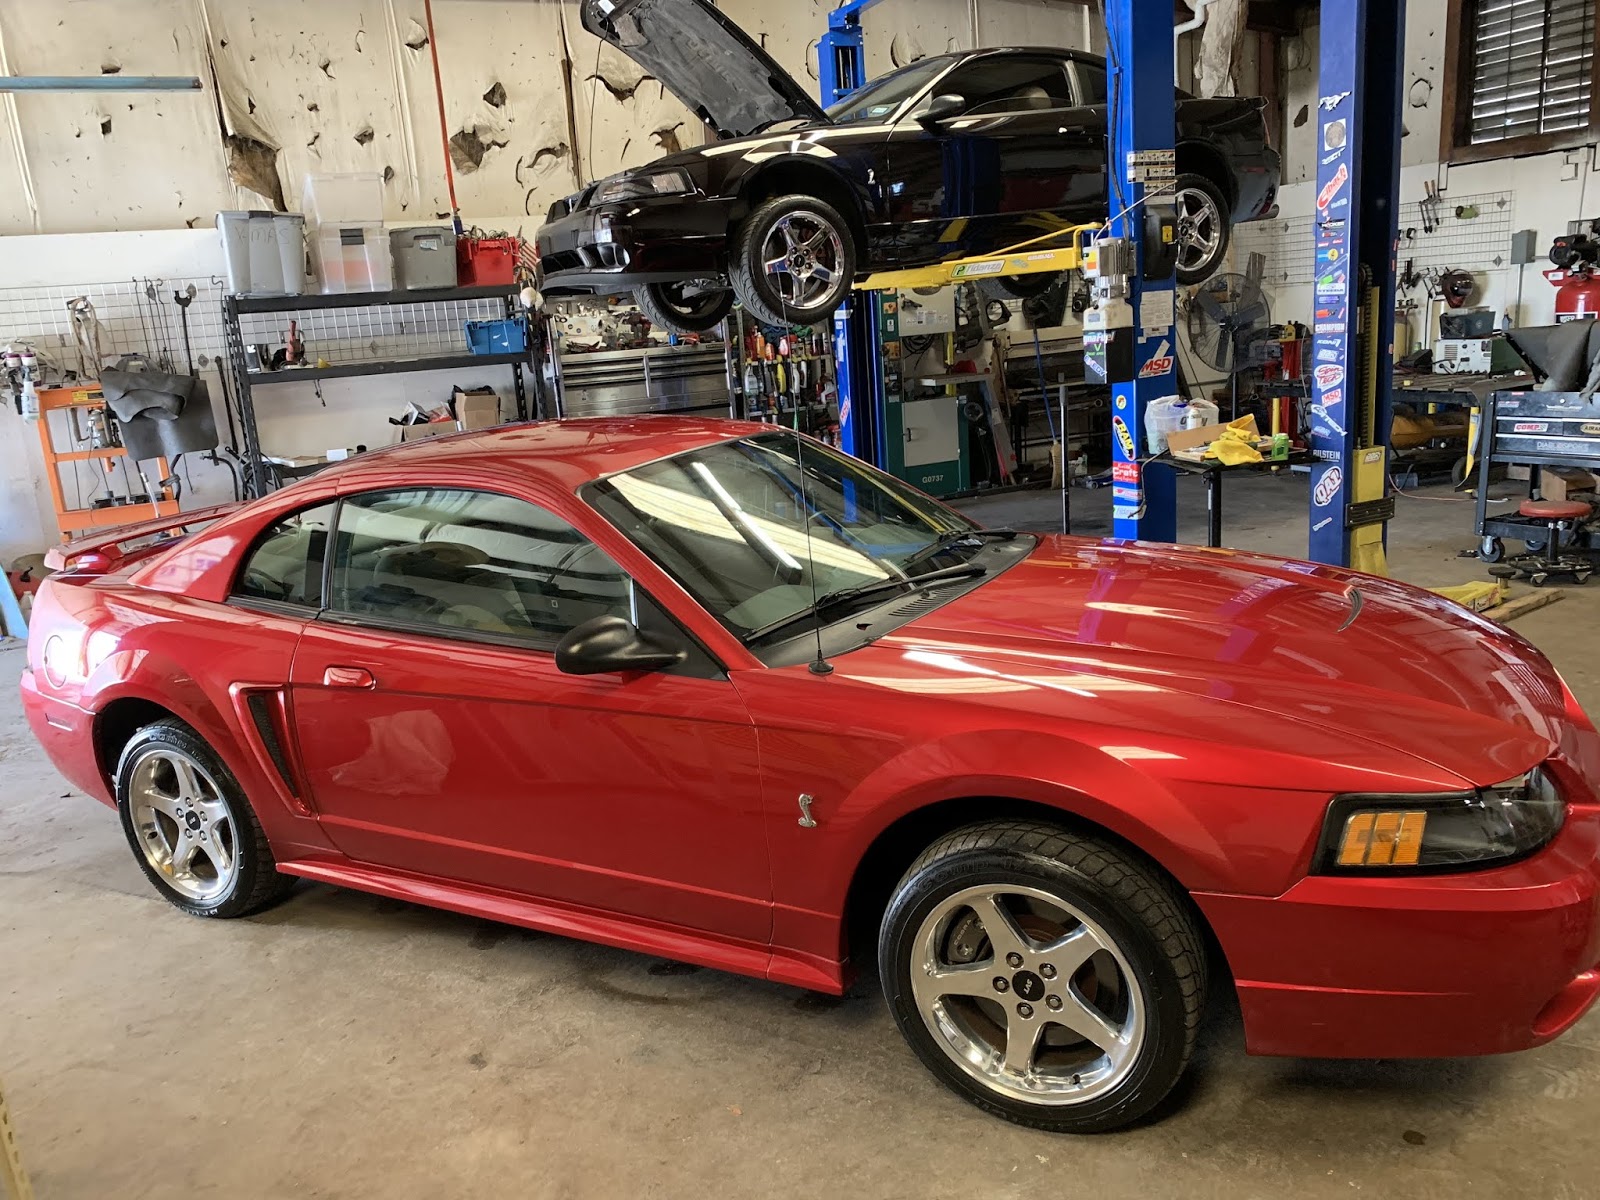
{"x": 716, "y": 692}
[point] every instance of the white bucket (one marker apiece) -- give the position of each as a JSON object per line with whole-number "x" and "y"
{"x": 291, "y": 233}
{"x": 235, "y": 230}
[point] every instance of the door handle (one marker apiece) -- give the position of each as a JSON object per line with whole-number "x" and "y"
{"x": 348, "y": 677}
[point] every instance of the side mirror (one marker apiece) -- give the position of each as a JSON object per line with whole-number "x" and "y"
{"x": 942, "y": 108}
{"x": 606, "y": 644}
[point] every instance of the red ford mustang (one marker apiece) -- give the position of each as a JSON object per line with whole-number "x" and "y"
{"x": 714, "y": 692}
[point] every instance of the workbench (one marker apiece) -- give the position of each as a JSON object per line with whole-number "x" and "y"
{"x": 1212, "y": 472}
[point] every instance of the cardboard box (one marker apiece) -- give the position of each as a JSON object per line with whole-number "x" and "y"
{"x": 415, "y": 433}
{"x": 477, "y": 410}
{"x": 1191, "y": 440}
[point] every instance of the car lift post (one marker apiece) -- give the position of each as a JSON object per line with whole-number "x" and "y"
{"x": 1135, "y": 351}
{"x": 1358, "y": 185}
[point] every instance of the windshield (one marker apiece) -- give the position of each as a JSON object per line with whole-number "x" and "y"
{"x": 882, "y": 98}
{"x": 731, "y": 524}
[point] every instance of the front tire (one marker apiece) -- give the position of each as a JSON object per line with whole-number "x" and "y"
{"x": 682, "y": 307}
{"x": 190, "y": 827}
{"x": 794, "y": 261}
{"x": 1047, "y": 978}
{"x": 1204, "y": 229}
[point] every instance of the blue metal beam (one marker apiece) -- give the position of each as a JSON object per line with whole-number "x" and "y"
{"x": 842, "y": 53}
{"x": 1358, "y": 184}
{"x": 99, "y": 83}
{"x": 1139, "y": 54}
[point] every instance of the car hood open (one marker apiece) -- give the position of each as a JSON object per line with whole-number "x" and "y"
{"x": 705, "y": 60}
{"x": 1269, "y": 654}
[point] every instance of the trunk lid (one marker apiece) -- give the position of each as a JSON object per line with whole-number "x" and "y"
{"x": 705, "y": 60}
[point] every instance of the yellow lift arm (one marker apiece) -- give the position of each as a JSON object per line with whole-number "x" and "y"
{"x": 1032, "y": 257}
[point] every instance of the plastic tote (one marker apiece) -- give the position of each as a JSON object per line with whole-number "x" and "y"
{"x": 509, "y": 336}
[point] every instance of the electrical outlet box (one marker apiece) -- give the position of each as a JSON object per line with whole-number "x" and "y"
{"x": 1524, "y": 247}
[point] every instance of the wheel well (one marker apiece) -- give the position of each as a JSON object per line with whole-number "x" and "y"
{"x": 898, "y": 846}
{"x": 793, "y": 178}
{"x": 1196, "y": 158}
{"x": 114, "y": 727}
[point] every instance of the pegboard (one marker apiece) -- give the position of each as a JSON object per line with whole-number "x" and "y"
{"x": 1481, "y": 243}
{"x": 136, "y": 317}
{"x": 348, "y": 335}
{"x": 1287, "y": 243}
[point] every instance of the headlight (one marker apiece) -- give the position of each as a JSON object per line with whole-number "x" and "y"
{"x": 1396, "y": 834}
{"x": 642, "y": 186}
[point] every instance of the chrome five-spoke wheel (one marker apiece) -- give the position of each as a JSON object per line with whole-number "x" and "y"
{"x": 183, "y": 823}
{"x": 804, "y": 254}
{"x": 1027, "y": 994}
{"x": 1203, "y": 229}
{"x": 1046, "y": 976}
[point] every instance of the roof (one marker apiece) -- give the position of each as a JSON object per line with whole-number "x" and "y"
{"x": 570, "y": 452}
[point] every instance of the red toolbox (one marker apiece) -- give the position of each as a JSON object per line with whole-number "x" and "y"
{"x": 485, "y": 261}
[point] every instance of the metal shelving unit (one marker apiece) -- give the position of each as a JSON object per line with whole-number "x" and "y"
{"x": 258, "y": 475}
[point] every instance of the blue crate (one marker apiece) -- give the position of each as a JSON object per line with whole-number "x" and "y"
{"x": 509, "y": 336}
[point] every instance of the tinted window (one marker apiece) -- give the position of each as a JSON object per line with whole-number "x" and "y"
{"x": 1005, "y": 83}
{"x": 474, "y": 561}
{"x": 286, "y": 564}
{"x": 1091, "y": 83}
{"x": 882, "y": 98}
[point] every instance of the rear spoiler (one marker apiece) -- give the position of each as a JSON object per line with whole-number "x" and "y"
{"x": 102, "y": 552}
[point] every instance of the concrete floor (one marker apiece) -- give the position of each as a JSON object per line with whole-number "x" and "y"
{"x": 346, "y": 1046}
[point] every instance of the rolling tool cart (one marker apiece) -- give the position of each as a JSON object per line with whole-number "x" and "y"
{"x": 1540, "y": 429}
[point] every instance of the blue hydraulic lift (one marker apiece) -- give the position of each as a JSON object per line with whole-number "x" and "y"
{"x": 1133, "y": 344}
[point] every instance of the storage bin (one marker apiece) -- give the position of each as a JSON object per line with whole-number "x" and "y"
{"x": 352, "y": 198}
{"x": 353, "y": 258}
{"x": 258, "y": 248}
{"x": 485, "y": 262}
{"x": 509, "y": 336}
{"x": 424, "y": 257}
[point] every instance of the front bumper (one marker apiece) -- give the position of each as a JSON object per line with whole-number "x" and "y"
{"x": 613, "y": 248}
{"x": 1420, "y": 967}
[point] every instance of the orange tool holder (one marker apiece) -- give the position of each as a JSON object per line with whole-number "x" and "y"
{"x": 72, "y": 521}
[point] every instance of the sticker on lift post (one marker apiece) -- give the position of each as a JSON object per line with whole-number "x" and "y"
{"x": 1152, "y": 166}
{"x": 1124, "y": 438}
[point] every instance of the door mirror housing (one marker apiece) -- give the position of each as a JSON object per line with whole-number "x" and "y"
{"x": 942, "y": 108}
{"x": 611, "y": 644}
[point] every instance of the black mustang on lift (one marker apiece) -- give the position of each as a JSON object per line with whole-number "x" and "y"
{"x": 952, "y": 156}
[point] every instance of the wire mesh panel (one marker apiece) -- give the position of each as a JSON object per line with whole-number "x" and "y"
{"x": 1477, "y": 240}
{"x": 396, "y": 331}
{"x": 136, "y": 316}
{"x": 1286, "y": 243}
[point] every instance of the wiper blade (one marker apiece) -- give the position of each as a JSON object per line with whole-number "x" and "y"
{"x": 863, "y": 591}
{"x": 946, "y": 541}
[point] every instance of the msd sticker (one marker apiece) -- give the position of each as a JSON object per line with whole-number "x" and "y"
{"x": 1159, "y": 365}
{"x": 1333, "y": 188}
{"x": 1124, "y": 438}
{"x": 1328, "y": 487}
{"x": 1329, "y": 377}
{"x": 1333, "y": 397}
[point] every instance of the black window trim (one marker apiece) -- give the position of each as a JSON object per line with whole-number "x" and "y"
{"x": 284, "y": 607}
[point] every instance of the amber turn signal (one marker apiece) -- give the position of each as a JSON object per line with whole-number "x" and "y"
{"x": 1382, "y": 839}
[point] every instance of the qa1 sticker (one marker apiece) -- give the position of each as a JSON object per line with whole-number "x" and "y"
{"x": 1124, "y": 438}
{"x": 1328, "y": 487}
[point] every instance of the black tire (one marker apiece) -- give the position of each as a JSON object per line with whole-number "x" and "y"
{"x": 253, "y": 882}
{"x": 1143, "y": 915}
{"x": 1189, "y": 191}
{"x": 667, "y": 306}
{"x": 1491, "y": 549}
{"x": 1535, "y": 545}
{"x": 1019, "y": 287}
{"x": 754, "y": 285}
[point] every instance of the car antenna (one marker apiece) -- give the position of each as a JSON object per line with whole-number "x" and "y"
{"x": 819, "y": 665}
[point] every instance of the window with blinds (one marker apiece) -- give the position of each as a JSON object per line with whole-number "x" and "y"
{"x": 1532, "y": 64}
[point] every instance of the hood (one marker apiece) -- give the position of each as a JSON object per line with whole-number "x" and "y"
{"x": 1274, "y": 656}
{"x": 705, "y": 60}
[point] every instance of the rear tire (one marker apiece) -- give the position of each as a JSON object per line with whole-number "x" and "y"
{"x": 1047, "y": 978}
{"x": 190, "y": 827}
{"x": 794, "y": 260}
{"x": 1204, "y": 229}
{"x": 670, "y": 306}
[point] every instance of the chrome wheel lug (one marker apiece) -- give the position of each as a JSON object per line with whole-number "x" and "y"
{"x": 1053, "y": 1003}
{"x": 1013, "y": 960}
{"x": 1000, "y": 985}
{"x": 1024, "y": 1010}
{"x": 1047, "y": 971}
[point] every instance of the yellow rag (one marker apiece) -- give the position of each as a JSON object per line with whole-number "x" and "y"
{"x": 1235, "y": 447}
